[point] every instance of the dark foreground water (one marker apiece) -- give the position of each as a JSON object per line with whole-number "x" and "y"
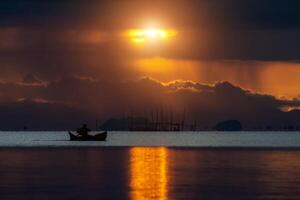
{"x": 148, "y": 173}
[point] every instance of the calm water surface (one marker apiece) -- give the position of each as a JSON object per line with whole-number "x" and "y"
{"x": 148, "y": 173}
{"x": 158, "y": 139}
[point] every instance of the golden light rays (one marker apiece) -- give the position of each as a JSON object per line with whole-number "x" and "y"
{"x": 149, "y": 173}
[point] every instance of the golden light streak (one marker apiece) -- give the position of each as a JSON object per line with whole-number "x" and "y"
{"x": 142, "y": 36}
{"x": 167, "y": 69}
{"x": 154, "y": 65}
{"x": 149, "y": 173}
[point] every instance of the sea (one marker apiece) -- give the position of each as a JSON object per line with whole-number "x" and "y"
{"x": 150, "y": 166}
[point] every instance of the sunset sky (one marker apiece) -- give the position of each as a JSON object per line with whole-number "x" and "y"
{"x": 70, "y": 61}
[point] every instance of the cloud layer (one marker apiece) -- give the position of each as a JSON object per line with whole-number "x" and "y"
{"x": 72, "y": 100}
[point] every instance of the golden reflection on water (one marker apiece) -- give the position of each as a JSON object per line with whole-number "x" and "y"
{"x": 149, "y": 173}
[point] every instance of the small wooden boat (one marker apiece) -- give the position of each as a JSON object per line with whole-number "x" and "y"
{"x": 97, "y": 137}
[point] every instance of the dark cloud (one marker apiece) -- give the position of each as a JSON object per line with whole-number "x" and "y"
{"x": 230, "y": 13}
{"x": 90, "y": 99}
{"x": 266, "y": 14}
{"x": 52, "y": 54}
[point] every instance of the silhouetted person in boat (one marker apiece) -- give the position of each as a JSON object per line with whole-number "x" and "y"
{"x": 83, "y": 131}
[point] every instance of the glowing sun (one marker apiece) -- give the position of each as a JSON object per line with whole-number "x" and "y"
{"x": 142, "y": 36}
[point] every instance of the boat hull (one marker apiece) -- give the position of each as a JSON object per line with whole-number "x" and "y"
{"x": 97, "y": 137}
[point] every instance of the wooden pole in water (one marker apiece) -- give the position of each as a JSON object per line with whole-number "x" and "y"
{"x": 172, "y": 118}
{"x": 156, "y": 121}
{"x": 152, "y": 117}
{"x": 183, "y": 120}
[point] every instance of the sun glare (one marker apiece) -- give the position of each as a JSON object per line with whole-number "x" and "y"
{"x": 142, "y": 36}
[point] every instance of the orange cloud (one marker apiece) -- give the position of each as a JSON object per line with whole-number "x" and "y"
{"x": 276, "y": 78}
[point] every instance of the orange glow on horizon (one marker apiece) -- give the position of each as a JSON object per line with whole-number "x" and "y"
{"x": 149, "y": 173}
{"x": 142, "y": 36}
